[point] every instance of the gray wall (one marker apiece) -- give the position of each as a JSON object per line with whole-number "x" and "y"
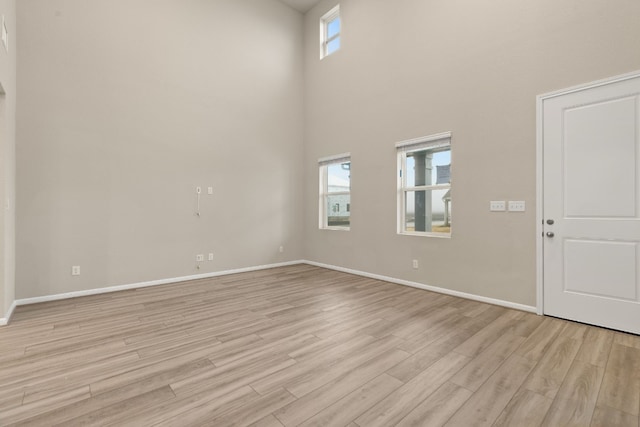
{"x": 417, "y": 67}
{"x": 125, "y": 107}
{"x": 7, "y": 159}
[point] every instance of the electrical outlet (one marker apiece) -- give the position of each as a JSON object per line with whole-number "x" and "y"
{"x": 415, "y": 263}
{"x": 75, "y": 270}
{"x": 210, "y": 256}
{"x": 516, "y": 206}
{"x": 497, "y": 206}
{"x": 281, "y": 249}
{"x": 209, "y": 190}
{"x": 199, "y": 258}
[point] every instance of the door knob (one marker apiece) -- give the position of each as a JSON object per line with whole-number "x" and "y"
{"x": 550, "y": 221}
{"x": 550, "y": 234}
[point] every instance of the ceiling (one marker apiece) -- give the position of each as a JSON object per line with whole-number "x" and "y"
{"x": 301, "y": 5}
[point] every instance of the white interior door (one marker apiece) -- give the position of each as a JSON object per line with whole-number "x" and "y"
{"x": 591, "y": 204}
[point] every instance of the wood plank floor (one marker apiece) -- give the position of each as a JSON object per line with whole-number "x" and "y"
{"x": 306, "y": 346}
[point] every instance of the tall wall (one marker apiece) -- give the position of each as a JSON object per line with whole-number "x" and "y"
{"x": 7, "y": 159}
{"x": 125, "y": 107}
{"x": 412, "y": 68}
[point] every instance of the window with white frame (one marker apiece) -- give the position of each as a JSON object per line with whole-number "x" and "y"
{"x": 335, "y": 192}
{"x": 330, "y": 27}
{"x": 424, "y": 186}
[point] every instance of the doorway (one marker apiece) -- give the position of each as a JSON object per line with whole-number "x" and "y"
{"x": 589, "y": 203}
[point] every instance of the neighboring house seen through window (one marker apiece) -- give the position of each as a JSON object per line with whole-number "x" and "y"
{"x": 335, "y": 192}
{"x": 424, "y": 186}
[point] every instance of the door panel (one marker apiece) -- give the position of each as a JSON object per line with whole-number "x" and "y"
{"x": 588, "y": 264}
{"x": 600, "y": 158}
{"x": 591, "y": 173}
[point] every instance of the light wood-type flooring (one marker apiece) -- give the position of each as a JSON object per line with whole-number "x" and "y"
{"x": 306, "y": 346}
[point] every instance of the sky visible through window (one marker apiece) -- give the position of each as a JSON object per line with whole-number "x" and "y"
{"x": 333, "y": 30}
{"x": 339, "y": 176}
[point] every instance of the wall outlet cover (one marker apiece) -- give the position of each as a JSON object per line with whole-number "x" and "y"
{"x": 517, "y": 206}
{"x": 497, "y": 206}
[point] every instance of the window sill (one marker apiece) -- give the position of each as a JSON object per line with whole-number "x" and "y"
{"x": 336, "y": 228}
{"x": 436, "y": 235}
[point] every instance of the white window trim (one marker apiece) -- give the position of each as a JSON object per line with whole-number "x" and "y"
{"x": 439, "y": 140}
{"x": 324, "y": 22}
{"x": 323, "y": 190}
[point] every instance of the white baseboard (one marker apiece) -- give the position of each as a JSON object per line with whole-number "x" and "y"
{"x": 445, "y": 291}
{"x": 109, "y": 289}
{"x": 4, "y": 321}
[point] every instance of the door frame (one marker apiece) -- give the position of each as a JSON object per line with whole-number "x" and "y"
{"x": 540, "y": 172}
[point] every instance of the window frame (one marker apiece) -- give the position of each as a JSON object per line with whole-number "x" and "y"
{"x": 325, "y": 20}
{"x": 323, "y": 166}
{"x": 436, "y": 142}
